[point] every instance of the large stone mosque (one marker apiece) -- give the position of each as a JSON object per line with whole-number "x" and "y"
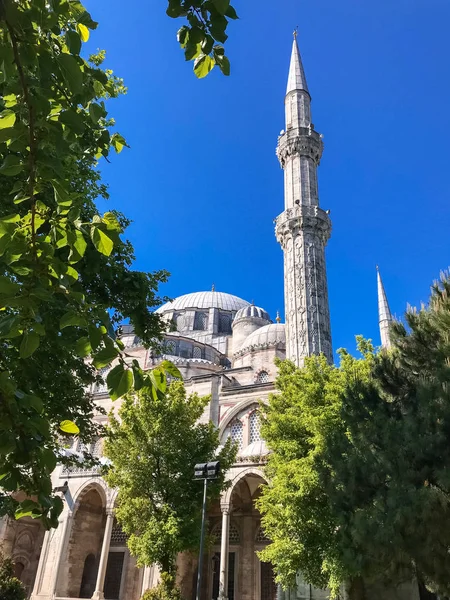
{"x": 224, "y": 347}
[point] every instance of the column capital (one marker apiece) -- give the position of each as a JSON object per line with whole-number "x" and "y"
{"x": 110, "y": 512}
{"x": 225, "y": 508}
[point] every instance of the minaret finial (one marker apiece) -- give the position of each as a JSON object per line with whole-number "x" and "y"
{"x": 295, "y": 32}
{"x": 213, "y": 288}
{"x": 384, "y": 313}
{"x": 278, "y": 319}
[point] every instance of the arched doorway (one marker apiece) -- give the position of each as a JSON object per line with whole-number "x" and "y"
{"x": 79, "y": 569}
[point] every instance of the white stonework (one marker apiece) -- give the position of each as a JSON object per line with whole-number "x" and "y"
{"x": 303, "y": 228}
{"x": 225, "y": 348}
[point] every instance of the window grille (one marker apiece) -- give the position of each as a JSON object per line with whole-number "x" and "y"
{"x": 225, "y": 323}
{"x": 102, "y": 388}
{"x": 233, "y": 534}
{"x": 237, "y": 432}
{"x": 262, "y": 377}
{"x": 170, "y": 347}
{"x": 201, "y": 321}
{"x": 118, "y": 536}
{"x": 197, "y": 352}
{"x": 254, "y": 426}
{"x": 261, "y": 537}
{"x": 179, "y": 321}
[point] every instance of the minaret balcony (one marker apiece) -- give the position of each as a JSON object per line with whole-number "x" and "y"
{"x": 301, "y": 218}
{"x": 304, "y": 141}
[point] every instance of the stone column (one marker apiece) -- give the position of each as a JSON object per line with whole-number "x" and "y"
{"x": 66, "y": 528}
{"x": 223, "y": 576}
{"x": 98, "y": 594}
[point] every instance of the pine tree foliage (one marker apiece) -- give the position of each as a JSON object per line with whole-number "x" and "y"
{"x": 361, "y": 461}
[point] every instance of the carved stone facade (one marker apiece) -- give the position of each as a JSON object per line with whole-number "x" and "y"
{"x": 303, "y": 229}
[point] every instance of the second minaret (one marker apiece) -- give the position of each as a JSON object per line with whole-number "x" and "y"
{"x": 303, "y": 229}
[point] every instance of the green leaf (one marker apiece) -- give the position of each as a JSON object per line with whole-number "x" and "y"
{"x": 8, "y": 325}
{"x": 95, "y": 336}
{"x": 69, "y": 427}
{"x": 170, "y": 369}
{"x": 7, "y": 118}
{"x": 105, "y": 356}
{"x": 96, "y": 111}
{"x": 138, "y": 376}
{"x": 119, "y": 381}
{"x": 203, "y": 65}
{"x": 231, "y": 13}
{"x": 83, "y": 31}
{"x": 12, "y": 165}
{"x": 159, "y": 380}
{"x": 221, "y": 6}
{"x": 77, "y": 244}
{"x": 118, "y": 142}
{"x": 183, "y": 35}
{"x": 61, "y": 194}
{"x": 48, "y": 459}
{"x": 73, "y": 120}
{"x": 223, "y": 62}
{"x": 83, "y": 347}
{"x": 7, "y": 286}
{"x": 72, "y": 319}
{"x": 101, "y": 241}
{"x": 73, "y": 41}
{"x": 110, "y": 219}
{"x": 71, "y": 72}
{"x": 30, "y": 343}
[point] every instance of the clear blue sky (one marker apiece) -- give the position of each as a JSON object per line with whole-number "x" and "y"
{"x": 201, "y": 180}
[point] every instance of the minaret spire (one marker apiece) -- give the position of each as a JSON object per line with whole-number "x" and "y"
{"x": 296, "y": 78}
{"x": 384, "y": 313}
{"x": 303, "y": 228}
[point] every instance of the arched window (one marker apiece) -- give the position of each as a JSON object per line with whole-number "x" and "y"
{"x": 197, "y": 352}
{"x": 170, "y": 347}
{"x": 233, "y": 534}
{"x": 89, "y": 577}
{"x": 201, "y": 321}
{"x": 18, "y": 569}
{"x": 225, "y": 323}
{"x": 262, "y": 377}
{"x": 255, "y": 435}
{"x": 237, "y": 432}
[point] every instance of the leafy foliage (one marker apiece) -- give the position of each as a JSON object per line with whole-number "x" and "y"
{"x": 360, "y": 461}
{"x": 153, "y": 449}
{"x": 10, "y": 587}
{"x": 203, "y": 36}
{"x": 165, "y": 590}
{"x": 65, "y": 271}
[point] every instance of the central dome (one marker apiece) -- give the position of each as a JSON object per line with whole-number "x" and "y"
{"x": 204, "y": 300}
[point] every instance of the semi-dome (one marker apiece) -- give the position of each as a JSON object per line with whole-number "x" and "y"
{"x": 269, "y": 336}
{"x": 251, "y": 311}
{"x": 258, "y": 448}
{"x": 204, "y": 300}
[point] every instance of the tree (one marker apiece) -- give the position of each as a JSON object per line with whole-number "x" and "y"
{"x": 65, "y": 272}
{"x": 360, "y": 463}
{"x": 10, "y": 587}
{"x": 153, "y": 450}
{"x": 207, "y": 23}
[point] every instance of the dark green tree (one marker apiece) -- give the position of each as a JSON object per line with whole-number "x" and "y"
{"x": 361, "y": 459}
{"x": 10, "y": 587}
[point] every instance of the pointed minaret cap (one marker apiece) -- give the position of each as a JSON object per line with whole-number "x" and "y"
{"x": 296, "y": 79}
{"x": 384, "y": 313}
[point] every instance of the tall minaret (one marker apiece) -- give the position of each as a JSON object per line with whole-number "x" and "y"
{"x": 303, "y": 228}
{"x": 384, "y": 313}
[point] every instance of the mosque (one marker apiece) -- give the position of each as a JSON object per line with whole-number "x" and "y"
{"x": 224, "y": 347}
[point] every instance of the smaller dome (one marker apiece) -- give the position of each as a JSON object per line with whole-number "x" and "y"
{"x": 250, "y": 311}
{"x": 258, "y": 448}
{"x": 268, "y": 336}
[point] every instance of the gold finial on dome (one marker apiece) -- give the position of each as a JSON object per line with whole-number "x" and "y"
{"x": 278, "y": 319}
{"x": 213, "y": 288}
